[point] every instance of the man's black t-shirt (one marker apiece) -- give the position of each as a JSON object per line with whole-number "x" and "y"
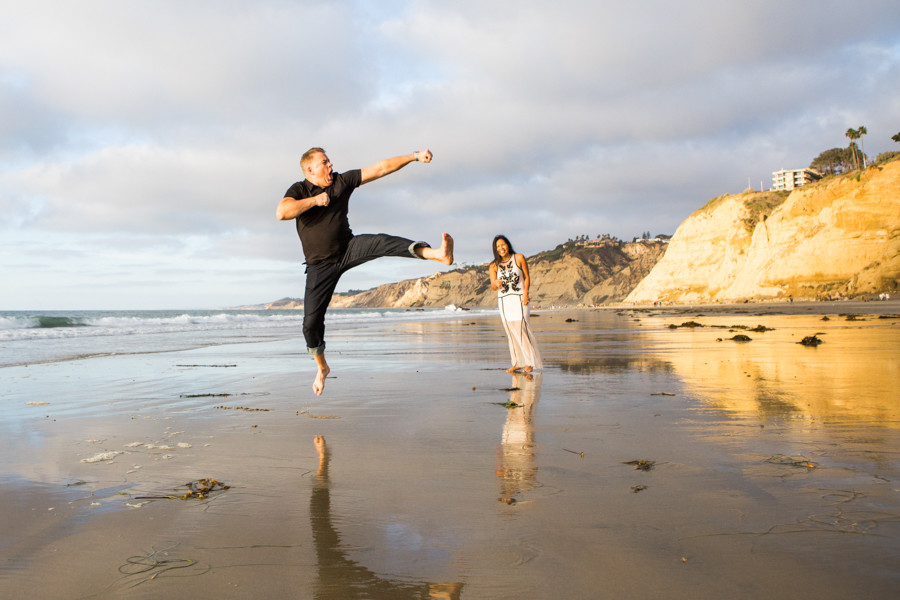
{"x": 325, "y": 230}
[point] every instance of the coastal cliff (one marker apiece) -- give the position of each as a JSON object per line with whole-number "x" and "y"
{"x": 572, "y": 274}
{"x": 836, "y": 238}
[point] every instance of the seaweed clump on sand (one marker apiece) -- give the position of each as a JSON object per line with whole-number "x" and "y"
{"x": 811, "y": 340}
{"x": 641, "y": 465}
{"x": 202, "y": 487}
{"x": 740, "y": 338}
{"x": 199, "y": 489}
{"x": 686, "y": 324}
{"x": 792, "y": 461}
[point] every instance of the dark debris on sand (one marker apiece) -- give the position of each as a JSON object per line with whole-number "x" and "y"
{"x": 687, "y": 325}
{"x": 199, "y": 489}
{"x": 641, "y": 465}
{"x": 791, "y": 461}
{"x": 811, "y": 340}
{"x": 738, "y": 338}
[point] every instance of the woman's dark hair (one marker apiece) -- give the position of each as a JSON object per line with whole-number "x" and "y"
{"x": 494, "y": 248}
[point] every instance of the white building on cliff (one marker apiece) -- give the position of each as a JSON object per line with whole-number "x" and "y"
{"x": 790, "y": 179}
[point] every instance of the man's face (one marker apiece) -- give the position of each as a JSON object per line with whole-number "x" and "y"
{"x": 318, "y": 171}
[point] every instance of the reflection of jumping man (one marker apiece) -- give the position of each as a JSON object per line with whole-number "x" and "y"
{"x": 319, "y": 204}
{"x": 342, "y": 577}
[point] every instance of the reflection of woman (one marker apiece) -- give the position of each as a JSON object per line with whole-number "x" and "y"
{"x": 516, "y": 466}
{"x": 509, "y": 276}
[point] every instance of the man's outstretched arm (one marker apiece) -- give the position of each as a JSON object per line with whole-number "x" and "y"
{"x": 391, "y": 165}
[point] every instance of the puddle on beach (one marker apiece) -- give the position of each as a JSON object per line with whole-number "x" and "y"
{"x": 852, "y": 376}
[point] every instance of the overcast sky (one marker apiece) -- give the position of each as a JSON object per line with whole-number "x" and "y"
{"x": 144, "y": 145}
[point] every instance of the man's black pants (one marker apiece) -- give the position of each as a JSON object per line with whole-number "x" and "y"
{"x": 322, "y": 278}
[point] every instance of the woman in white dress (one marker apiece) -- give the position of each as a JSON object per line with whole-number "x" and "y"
{"x": 509, "y": 276}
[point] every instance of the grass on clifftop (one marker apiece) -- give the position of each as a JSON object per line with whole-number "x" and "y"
{"x": 712, "y": 203}
{"x": 761, "y": 205}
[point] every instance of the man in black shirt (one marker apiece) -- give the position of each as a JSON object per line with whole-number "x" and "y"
{"x": 319, "y": 205}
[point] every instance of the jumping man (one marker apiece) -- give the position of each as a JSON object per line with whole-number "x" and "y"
{"x": 319, "y": 205}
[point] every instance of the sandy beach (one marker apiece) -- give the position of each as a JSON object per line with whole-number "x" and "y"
{"x": 647, "y": 460}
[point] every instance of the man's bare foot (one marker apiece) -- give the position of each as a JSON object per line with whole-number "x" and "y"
{"x": 528, "y": 369}
{"x": 445, "y": 254}
{"x": 514, "y": 369}
{"x": 319, "y": 383}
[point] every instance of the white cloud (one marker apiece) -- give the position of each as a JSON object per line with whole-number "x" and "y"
{"x": 157, "y": 138}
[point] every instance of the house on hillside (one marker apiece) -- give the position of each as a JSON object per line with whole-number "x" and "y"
{"x": 660, "y": 237}
{"x": 594, "y": 243}
{"x": 602, "y": 240}
{"x": 789, "y": 179}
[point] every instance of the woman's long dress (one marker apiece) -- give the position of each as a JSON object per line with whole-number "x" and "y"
{"x": 523, "y": 349}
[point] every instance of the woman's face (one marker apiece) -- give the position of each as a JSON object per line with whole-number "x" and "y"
{"x": 502, "y": 248}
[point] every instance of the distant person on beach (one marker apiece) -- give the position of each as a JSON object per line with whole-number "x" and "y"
{"x": 319, "y": 204}
{"x": 509, "y": 276}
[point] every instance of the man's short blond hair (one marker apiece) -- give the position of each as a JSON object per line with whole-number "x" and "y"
{"x": 308, "y": 155}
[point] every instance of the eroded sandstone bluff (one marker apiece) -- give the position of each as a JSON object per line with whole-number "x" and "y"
{"x": 569, "y": 275}
{"x": 836, "y": 238}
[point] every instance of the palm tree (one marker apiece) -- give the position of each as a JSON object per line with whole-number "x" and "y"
{"x": 853, "y": 134}
{"x": 862, "y": 131}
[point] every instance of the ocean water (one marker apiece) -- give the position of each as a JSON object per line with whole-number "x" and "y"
{"x": 51, "y": 336}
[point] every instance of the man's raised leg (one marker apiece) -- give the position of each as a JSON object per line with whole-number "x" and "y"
{"x": 444, "y": 254}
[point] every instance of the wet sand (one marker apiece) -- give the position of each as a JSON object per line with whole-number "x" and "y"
{"x": 775, "y": 466}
